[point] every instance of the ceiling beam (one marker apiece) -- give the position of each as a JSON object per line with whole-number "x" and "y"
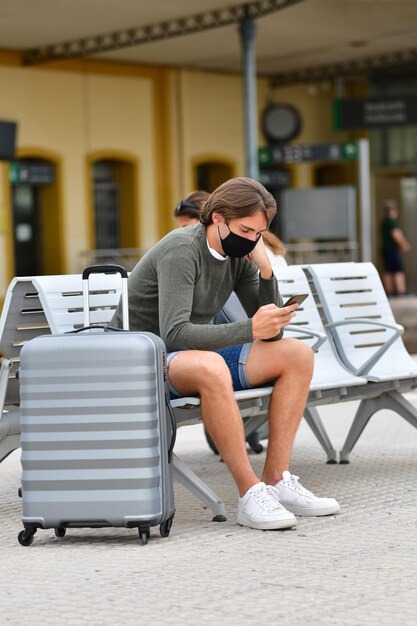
{"x": 129, "y": 37}
{"x": 379, "y": 64}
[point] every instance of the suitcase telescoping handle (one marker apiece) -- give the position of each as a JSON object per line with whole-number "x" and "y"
{"x": 105, "y": 269}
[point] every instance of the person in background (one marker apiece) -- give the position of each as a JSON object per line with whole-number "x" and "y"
{"x": 393, "y": 243}
{"x": 275, "y": 249}
{"x": 188, "y": 210}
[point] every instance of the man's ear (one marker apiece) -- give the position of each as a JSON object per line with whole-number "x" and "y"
{"x": 217, "y": 218}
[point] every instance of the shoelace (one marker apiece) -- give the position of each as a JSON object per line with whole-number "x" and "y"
{"x": 274, "y": 493}
{"x": 265, "y": 499}
{"x": 293, "y": 482}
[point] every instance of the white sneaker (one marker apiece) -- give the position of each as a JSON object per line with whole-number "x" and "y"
{"x": 259, "y": 509}
{"x": 300, "y": 501}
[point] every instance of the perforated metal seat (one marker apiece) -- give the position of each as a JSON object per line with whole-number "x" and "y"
{"x": 367, "y": 340}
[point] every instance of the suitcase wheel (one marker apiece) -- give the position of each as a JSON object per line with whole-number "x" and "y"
{"x": 165, "y": 527}
{"x": 144, "y": 534}
{"x": 60, "y": 531}
{"x": 25, "y": 537}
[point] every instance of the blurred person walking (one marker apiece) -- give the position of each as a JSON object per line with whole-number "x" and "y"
{"x": 393, "y": 243}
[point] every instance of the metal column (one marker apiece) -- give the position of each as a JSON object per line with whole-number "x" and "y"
{"x": 247, "y": 37}
{"x": 365, "y": 199}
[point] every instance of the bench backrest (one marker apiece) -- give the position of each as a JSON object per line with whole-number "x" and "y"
{"x": 40, "y": 305}
{"x": 22, "y": 319}
{"x": 55, "y": 304}
{"x": 62, "y": 299}
{"x": 361, "y": 321}
{"x": 329, "y": 373}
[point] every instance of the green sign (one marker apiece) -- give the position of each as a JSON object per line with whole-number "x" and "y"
{"x": 26, "y": 173}
{"x": 265, "y": 156}
{"x": 275, "y": 155}
{"x": 14, "y": 173}
{"x": 349, "y": 150}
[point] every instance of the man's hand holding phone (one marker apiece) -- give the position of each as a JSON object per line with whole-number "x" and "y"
{"x": 297, "y": 298}
{"x": 270, "y": 319}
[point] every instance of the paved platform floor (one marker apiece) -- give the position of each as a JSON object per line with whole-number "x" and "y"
{"x": 358, "y": 568}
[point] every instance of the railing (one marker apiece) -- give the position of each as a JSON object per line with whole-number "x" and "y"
{"x": 127, "y": 257}
{"x": 309, "y": 252}
{"x": 297, "y": 254}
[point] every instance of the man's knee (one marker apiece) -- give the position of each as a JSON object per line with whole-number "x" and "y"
{"x": 293, "y": 355}
{"x": 214, "y": 371}
{"x": 201, "y": 369}
{"x": 300, "y": 354}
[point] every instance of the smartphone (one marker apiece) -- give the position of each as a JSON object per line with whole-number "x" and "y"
{"x": 297, "y": 298}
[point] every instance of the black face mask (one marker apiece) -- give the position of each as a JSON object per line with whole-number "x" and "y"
{"x": 236, "y": 246}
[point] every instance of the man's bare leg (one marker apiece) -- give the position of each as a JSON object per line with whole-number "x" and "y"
{"x": 203, "y": 373}
{"x": 388, "y": 282}
{"x": 399, "y": 282}
{"x": 290, "y": 363}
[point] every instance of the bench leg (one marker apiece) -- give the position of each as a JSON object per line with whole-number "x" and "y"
{"x": 392, "y": 400}
{"x": 313, "y": 419}
{"x": 366, "y": 409}
{"x": 8, "y": 445}
{"x": 199, "y": 489}
{"x": 9, "y": 431}
{"x": 396, "y": 402}
{"x": 252, "y": 434}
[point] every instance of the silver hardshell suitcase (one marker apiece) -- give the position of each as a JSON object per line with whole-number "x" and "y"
{"x": 97, "y": 429}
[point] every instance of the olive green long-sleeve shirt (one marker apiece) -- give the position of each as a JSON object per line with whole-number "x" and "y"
{"x": 178, "y": 287}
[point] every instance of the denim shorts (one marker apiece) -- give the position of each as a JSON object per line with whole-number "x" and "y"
{"x": 235, "y": 357}
{"x": 392, "y": 260}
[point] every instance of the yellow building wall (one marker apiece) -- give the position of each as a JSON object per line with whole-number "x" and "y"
{"x": 119, "y": 118}
{"x": 4, "y": 231}
{"x": 211, "y": 120}
{"x": 314, "y": 104}
{"x": 163, "y": 120}
{"x": 73, "y": 114}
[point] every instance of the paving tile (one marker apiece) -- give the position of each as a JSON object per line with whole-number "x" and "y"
{"x": 354, "y": 569}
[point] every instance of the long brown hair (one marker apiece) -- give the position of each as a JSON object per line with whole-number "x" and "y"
{"x": 273, "y": 243}
{"x": 239, "y": 197}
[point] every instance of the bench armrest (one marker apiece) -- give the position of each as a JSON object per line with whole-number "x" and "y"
{"x": 5, "y": 366}
{"x": 321, "y": 337}
{"x": 368, "y": 365}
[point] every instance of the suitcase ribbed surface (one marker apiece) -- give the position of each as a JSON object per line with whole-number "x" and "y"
{"x": 91, "y": 430}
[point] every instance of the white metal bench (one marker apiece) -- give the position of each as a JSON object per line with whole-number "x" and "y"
{"x": 331, "y": 381}
{"x": 367, "y": 340}
{"x": 46, "y": 304}
{"x": 54, "y": 304}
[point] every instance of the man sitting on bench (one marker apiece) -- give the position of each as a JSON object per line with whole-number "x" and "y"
{"x": 174, "y": 292}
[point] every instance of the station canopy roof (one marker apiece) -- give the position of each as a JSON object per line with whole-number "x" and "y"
{"x": 295, "y": 39}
